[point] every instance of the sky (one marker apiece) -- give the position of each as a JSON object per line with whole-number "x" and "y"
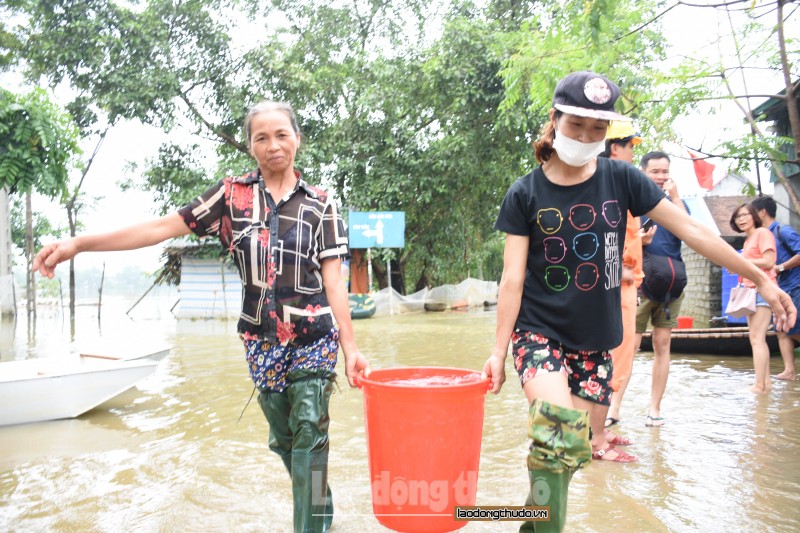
{"x": 691, "y": 31}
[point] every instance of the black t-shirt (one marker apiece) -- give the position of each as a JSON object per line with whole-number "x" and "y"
{"x": 574, "y": 265}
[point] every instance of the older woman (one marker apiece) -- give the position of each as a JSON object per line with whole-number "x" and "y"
{"x": 287, "y": 240}
{"x": 559, "y": 300}
{"x": 760, "y": 249}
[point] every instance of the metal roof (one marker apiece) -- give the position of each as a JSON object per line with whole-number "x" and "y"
{"x": 774, "y": 108}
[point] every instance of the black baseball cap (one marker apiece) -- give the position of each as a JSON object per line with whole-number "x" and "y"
{"x": 587, "y": 94}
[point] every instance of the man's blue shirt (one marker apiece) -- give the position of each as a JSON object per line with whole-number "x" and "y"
{"x": 788, "y": 241}
{"x": 665, "y": 243}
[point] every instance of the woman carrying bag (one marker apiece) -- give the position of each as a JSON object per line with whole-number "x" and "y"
{"x": 759, "y": 248}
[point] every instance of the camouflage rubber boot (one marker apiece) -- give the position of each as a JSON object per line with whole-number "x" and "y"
{"x": 559, "y": 446}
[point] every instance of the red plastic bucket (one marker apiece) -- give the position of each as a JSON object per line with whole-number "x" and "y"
{"x": 424, "y": 428}
{"x": 685, "y": 322}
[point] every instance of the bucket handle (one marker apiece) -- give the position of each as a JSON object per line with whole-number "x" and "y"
{"x": 359, "y": 380}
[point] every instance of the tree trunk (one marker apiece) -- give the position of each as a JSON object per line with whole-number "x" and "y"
{"x": 791, "y": 102}
{"x": 30, "y": 280}
{"x": 381, "y": 273}
{"x": 72, "y": 232}
{"x": 398, "y": 277}
{"x": 423, "y": 282}
{"x": 100, "y": 295}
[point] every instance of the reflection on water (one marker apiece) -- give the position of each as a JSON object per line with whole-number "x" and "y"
{"x": 169, "y": 455}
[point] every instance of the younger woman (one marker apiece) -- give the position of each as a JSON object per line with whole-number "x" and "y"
{"x": 559, "y": 300}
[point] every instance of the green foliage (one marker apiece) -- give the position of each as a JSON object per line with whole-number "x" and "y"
{"x": 9, "y": 43}
{"x": 175, "y": 178}
{"x": 428, "y": 108}
{"x": 37, "y": 143}
{"x": 48, "y": 288}
{"x": 128, "y": 62}
{"x": 606, "y": 36}
{"x": 745, "y": 151}
{"x": 42, "y": 227}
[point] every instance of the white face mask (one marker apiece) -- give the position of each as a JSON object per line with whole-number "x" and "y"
{"x": 575, "y": 153}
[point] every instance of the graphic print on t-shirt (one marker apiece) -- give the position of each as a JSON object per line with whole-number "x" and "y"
{"x": 556, "y": 277}
{"x": 613, "y": 271}
{"x": 555, "y": 250}
{"x": 586, "y": 276}
{"x": 612, "y": 213}
{"x": 550, "y": 220}
{"x": 579, "y": 260}
{"x": 582, "y": 216}
{"x": 585, "y": 245}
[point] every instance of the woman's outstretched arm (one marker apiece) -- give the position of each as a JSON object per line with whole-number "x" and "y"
{"x": 128, "y": 238}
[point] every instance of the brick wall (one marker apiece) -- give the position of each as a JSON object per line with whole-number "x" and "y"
{"x": 703, "y": 293}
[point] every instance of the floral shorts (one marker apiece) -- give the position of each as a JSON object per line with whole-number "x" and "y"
{"x": 273, "y": 367}
{"x": 588, "y": 373}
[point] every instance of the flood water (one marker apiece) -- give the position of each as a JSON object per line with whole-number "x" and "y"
{"x": 169, "y": 455}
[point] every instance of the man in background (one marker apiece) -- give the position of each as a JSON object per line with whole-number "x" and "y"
{"x": 664, "y": 316}
{"x": 786, "y": 263}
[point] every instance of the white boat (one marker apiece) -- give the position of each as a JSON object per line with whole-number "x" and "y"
{"x": 51, "y": 388}
{"x": 125, "y": 353}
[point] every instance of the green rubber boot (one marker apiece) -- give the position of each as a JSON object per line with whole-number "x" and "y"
{"x": 298, "y": 432}
{"x": 560, "y": 445}
{"x": 313, "y": 501}
{"x": 276, "y": 408}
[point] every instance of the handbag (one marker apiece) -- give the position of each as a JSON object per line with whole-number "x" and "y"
{"x": 742, "y": 301}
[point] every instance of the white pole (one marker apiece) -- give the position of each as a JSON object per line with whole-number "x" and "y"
{"x": 389, "y": 282}
{"x": 369, "y": 270}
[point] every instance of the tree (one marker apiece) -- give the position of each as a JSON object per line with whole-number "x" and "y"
{"x": 123, "y": 63}
{"x": 42, "y": 226}
{"x": 37, "y": 144}
{"x": 9, "y": 43}
{"x": 175, "y": 177}
{"x": 751, "y": 44}
{"x": 415, "y": 129}
{"x": 428, "y": 108}
{"x": 618, "y": 38}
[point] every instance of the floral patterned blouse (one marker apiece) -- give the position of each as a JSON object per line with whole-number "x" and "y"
{"x": 278, "y": 250}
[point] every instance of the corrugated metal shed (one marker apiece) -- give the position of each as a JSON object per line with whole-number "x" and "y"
{"x": 209, "y": 288}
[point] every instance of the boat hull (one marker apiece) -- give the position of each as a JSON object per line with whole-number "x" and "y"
{"x": 35, "y": 390}
{"x": 126, "y": 353}
{"x": 711, "y": 341}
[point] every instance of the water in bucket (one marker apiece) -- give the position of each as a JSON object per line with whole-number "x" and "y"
{"x": 424, "y": 428}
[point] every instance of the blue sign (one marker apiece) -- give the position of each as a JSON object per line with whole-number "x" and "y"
{"x": 377, "y": 229}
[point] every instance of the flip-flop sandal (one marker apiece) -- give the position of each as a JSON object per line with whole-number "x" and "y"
{"x": 620, "y": 441}
{"x": 611, "y": 421}
{"x": 654, "y": 421}
{"x": 621, "y": 456}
